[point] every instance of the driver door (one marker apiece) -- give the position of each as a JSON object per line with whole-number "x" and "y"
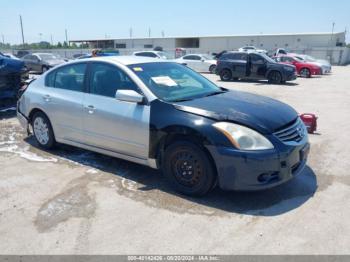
{"x": 111, "y": 124}
{"x": 258, "y": 67}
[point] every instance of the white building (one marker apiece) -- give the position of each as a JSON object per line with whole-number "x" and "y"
{"x": 321, "y": 45}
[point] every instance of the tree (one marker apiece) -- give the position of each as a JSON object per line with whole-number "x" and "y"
{"x": 59, "y": 45}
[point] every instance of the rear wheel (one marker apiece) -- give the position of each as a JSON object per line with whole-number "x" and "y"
{"x": 44, "y": 69}
{"x": 188, "y": 168}
{"x": 212, "y": 69}
{"x": 43, "y": 131}
{"x": 305, "y": 73}
{"x": 226, "y": 75}
{"x": 275, "y": 77}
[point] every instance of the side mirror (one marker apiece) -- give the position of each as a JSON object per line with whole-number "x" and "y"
{"x": 202, "y": 60}
{"x": 129, "y": 96}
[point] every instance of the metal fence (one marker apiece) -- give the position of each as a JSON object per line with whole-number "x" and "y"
{"x": 336, "y": 55}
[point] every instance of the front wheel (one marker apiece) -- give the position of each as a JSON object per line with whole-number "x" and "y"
{"x": 188, "y": 168}
{"x": 43, "y": 131}
{"x": 305, "y": 73}
{"x": 275, "y": 77}
{"x": 44, "y": 69}
{"x": 226, "y": 75}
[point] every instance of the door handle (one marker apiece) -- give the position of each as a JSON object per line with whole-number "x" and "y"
{"x": 47, "y": 98}
{"x": 90, "y": 108}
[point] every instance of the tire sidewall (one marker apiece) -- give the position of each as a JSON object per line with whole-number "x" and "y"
{"x": 51, "y": 142}
{"x": 212, "y": 69}
{"x": 222, "y": 74}
{"x": 308, "y": 75}
{"x": 207, "y": 179}
{"x": 273, "y": 81}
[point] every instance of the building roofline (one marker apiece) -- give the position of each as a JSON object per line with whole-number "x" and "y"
{"x": 208, "y": 36}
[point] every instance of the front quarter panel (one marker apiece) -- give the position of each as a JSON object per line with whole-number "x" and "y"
{"x": 166, "y": 120}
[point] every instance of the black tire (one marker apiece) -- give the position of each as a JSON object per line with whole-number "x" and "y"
{"x": 275, "y": 77}
{"x": 44, "y": 69}
{"x": 212, "y": 69}
{"x": 188, "y": 168}
{"x": 41, "y": 128}
{"x": 226, "y": 75}
{"x": 305, "y": 72}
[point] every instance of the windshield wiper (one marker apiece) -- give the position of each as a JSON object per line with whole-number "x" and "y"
{"x": 182, "y": 100}
{"x": 215, "y": 93}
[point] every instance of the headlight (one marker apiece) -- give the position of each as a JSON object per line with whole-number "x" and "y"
{"x": 242, "y": 137}
{"x": 289, "y": 69}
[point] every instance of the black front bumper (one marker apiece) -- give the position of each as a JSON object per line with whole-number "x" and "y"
{"x": 248, "y": 170}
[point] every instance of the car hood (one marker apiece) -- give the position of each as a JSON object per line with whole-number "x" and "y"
{"x": 9, "y": 65}
{"x": 323, "y": 62}
{"x": 261, "y": 113}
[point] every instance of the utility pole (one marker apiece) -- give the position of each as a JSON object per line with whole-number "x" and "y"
{"x": 66, "y": 37}
{"x": 3, "y": 39}
{"x": 149, "y": 32}
{"x": 20, "y": 19}
{"x": 51, "y": 40}
{"x": 130, "y": 32}
{"x": 163, "y": 34}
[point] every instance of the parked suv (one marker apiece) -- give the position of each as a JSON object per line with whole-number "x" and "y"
{"x": 164, "y": 115}
{"x": 242, "y": 65}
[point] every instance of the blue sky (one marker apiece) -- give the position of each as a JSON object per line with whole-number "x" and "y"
{"x": 98, "y": 19}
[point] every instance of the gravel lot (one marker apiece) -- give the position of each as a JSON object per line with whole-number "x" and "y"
{"x": 73, "y": 201}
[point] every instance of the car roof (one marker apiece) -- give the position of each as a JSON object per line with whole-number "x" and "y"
{"x": 125, "y": 60}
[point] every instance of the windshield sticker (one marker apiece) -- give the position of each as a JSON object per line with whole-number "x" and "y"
{"x": 138, "y": 69}
{"x": 164, "y": 80}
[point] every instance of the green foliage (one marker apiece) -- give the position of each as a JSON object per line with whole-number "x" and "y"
{"x": 42, "y": 45}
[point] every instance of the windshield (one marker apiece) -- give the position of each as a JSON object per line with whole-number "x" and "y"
{"x": 174, "y": 82}
{"x": 47, "y": 57}
{"x": 269, "y": 59}
{"x": 165, "y": 55}
{"x": 309, "y": 58}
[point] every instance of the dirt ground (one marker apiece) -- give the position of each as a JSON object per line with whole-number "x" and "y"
{"x": 72, "y": 201}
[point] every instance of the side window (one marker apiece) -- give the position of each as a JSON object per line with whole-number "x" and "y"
{"x": 50, "y": 79}
{"x": 106, "y": 79}
{"x": 256, "y": 59}
{"x": 71, "y": 77}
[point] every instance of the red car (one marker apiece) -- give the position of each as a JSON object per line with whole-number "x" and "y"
{"x": 304, "y": 69}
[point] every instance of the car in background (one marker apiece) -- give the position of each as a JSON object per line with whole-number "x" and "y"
{"x": 304, "y": 69}
{"x": 153, "y": 54}
{"x": 280, "y": 51}
{"x": 41, "y": 62}
{"x": 164, "y": 115}
{"x": 251, "y": 65}
{"x": 78, "y": 56}
{"x": 22, "y": 53}
{"x": 324, "y": 64}
{"x": 9, "y": 55}
{"x": 12, "y": 72}
{"x": 198, "y": 62}
{"x": 252, "y": 49}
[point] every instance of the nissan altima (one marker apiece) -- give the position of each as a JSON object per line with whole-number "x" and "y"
{"x": 164, "y": 115}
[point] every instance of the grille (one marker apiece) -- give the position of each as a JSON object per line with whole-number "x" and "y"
{"x": 292, "y": 133}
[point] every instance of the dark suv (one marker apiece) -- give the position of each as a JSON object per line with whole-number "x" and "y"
{"x": 243, "y": 65}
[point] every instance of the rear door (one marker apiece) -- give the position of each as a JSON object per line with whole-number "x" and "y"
{"x": 237, "y": 62}
{"x": 63, "y": 101}
{"x": 110, "y": 124}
